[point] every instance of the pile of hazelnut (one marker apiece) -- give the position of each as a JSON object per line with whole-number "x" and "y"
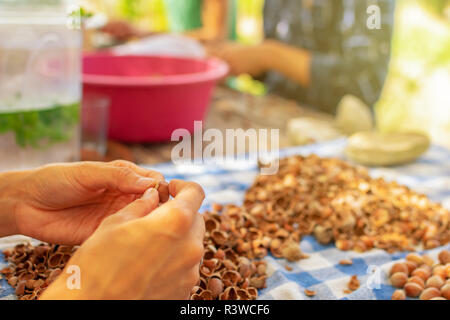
{"x": 421, "y": 277}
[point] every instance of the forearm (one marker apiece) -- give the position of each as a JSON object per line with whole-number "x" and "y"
{"x": 9, "y": 198}
{"x": 294, "y": 63}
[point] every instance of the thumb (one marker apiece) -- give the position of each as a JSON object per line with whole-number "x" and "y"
{"x": 138, "y": 208}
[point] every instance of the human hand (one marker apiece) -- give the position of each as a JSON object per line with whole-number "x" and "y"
{"x": 241, "y": 58}
{"x": 137, "y": 255}
{"x": 292, "y": 62}
{"x": 65, "y": 203}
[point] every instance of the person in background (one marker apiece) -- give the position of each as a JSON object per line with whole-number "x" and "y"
{"x": 136, "y": 243}
{"x": 317, "y": 51}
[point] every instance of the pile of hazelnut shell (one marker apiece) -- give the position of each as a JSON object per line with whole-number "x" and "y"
{"x": 235, "y": 243}
{"x": 33, "y": 268}
{"x": 340, "y": 203}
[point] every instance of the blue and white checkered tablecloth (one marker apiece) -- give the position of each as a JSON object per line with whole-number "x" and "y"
{"x": 321, "y": 272}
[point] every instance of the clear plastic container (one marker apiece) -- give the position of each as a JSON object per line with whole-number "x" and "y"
{"x": 40, "y": 84}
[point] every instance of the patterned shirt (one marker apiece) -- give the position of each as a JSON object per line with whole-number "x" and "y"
{"x": 348, "y": 56}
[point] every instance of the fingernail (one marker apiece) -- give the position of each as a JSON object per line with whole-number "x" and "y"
{"x": 150, "y": 193}
{"x": 145, "y": 182}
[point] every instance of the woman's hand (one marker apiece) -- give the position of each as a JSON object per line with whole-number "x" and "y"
{"x": 242, "y": 59}
{"x": 137, "y": 255}
{"x": 270, "y": 55}
{"x": 65, "y": 203}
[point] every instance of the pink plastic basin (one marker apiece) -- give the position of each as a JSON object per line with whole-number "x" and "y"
{"x": 151, "y": 96}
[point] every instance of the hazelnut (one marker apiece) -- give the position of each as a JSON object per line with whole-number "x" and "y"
{"x": 426, "y": 267}
{"x": 215, "y": 285}
{"x": 444, "y": 256}
{"x": 399, "y": 267}
{"x": 399, "y": 279}
{"x": 434, "y": 282}
{"x": 411, "y": 266}
{"x": 439, "y": 270}
{"x": 430, "y": 293}
{"x": 428, "y": 260}
{"x": 398, "y": 295}
{"x": 414, "y": 257}
{"x": 422, "y": 273}
{"x": 418, "y": 280}
{"x": 412, "y": 289}
{"x": 445, "y": 291}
